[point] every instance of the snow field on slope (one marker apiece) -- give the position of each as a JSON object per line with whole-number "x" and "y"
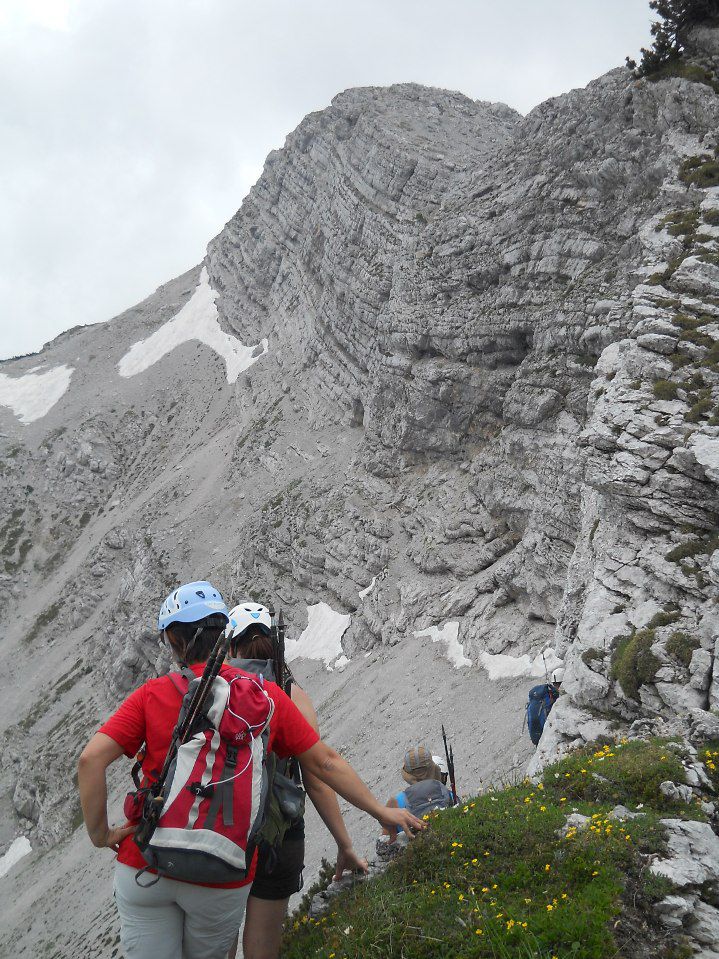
{"x": 448, "y": 634}
{"x": 32, "y": 395}
{"x": 197, "y": 320}
{"x": 18, "y": 848}
{"x": 501, "y": 666}
{"x": 322, "y": 637}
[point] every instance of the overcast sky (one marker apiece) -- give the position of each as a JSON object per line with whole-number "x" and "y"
{"x": 130, "y": 130}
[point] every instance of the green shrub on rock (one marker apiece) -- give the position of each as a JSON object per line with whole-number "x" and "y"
{"x": 681, "y": 646}
{"x": 633, "y": 662}
{"x": 665, "y": 389}
{"x": 701, "y": 171}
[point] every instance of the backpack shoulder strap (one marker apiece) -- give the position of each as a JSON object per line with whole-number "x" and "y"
{"x": 176, "y": 680}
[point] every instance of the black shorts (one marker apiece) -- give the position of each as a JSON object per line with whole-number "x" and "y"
{"x": 286, "y": 878}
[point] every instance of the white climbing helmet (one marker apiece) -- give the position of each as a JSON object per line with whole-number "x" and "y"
{"x": 245, "y": 615}
{"x": 558, "y": 674}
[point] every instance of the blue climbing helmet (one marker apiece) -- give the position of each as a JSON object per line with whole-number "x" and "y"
{"x": 191, "y": 602}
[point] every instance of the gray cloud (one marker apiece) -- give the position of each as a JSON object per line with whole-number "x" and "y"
{"x": 132, "y": 130}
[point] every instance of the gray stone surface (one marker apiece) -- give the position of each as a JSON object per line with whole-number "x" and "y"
{"x": 693, "y": 857}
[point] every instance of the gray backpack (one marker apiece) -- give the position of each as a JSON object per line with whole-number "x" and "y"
{"x": 424, "y": 796}
{"x": 287, "y": 800}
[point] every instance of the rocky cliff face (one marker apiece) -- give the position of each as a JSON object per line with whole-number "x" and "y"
{"x": 458, "y": 361}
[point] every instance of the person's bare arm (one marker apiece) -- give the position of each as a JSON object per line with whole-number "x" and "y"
{"x": 323, "y": 762}
{"x": 324, "y": 798}
{"x": 99, "y": 753}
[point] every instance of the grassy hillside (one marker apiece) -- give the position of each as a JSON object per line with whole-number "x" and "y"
{"x": 502, "y": 876}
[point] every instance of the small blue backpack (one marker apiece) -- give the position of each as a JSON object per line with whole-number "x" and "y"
{"x": 539, "y": 705}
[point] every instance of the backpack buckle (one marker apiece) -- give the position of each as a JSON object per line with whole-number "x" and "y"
{"x": 197, "y": 789}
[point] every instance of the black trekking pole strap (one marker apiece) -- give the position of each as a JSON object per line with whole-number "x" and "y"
{"x": 281, "y": 651}
{"x": 212, "y": 667}
{"x": 455, "y": 797}
{"x": 209, "y": 675}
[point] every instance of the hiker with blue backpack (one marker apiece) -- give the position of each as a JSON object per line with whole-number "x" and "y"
{"x": 187, "y": 852}
{"x": 540, "y": 702}
{"x": 257, "y": 646}
{"x": 425, "y": 790}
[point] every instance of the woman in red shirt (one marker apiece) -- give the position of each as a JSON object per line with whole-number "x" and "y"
{"x": 172, "y": 918}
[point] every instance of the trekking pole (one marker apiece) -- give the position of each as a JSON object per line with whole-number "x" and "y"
{"x": 274, "y": 635}
{"x": 210, "y": 672}
{"x": 281, "y": 650}
{"x": 452, "y": 777}
{"x": 449, "y": 755}
{"x": 546, "y": 674}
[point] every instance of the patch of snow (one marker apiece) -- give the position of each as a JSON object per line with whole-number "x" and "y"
{"x": 501, "y": 666}
{"x": 449, "y": 634}
{"x": 368, "y": 589}
{"x": 341, "y": 663}
{"x": 322, "y": 638}
{"x": 18, "y": 848}
{"x": 197, "y": 320}
{"x": 34, "y": 394}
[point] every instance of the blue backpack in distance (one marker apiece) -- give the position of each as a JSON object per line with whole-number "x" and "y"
{"x": 539, "y": 705}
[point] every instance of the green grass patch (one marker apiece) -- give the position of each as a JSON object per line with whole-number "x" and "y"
{"x": 701, "y": 171}
{"x": 709, "y": 755}
{"x": 711, "y": 217}
{"x": 701, "y": 410}
{"x": 680, "y": 360}
{"x": 633, "y": 662}
{"x": 678, "y": 67}
{"x": 697, "y": 337}
{"x": 665, "y": 389}
{"x": 681, "y": 646}
{"x": 680, "y": 223}
{"x": 47, "y": 616}
{"x": 685, "y": 322}
{"x": 665, "y": 618}
{"x": 494, "y": 877}
{"x": 697, "y": 546}
{"x": 592, "y": 655}
{"x": 628, "y": 773}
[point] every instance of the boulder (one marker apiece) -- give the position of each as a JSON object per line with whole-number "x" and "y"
{"x": 693, "y": 858}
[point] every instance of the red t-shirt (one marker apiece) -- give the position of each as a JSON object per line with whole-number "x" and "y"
{"x": 149, "y": 716}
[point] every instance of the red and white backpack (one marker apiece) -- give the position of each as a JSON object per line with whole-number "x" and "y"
{"x": 214, "y": 797}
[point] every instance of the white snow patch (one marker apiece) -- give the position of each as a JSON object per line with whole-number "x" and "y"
{"x": 34, "y": 394}
{"x": 197, "y": 320}
{"x": 18, "y": 848}
{"x": 368, "y": 589}
{"x": 449, "y": 634}
{"x": 501, "y": 666}
{"x": 322, "y": 638}
{"x": 706, "y": 453}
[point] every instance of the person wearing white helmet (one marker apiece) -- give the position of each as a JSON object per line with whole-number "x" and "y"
{"x": 171, "y": 918}
{"x": 540, "y": 702}
{"x": 252, "y": 649}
